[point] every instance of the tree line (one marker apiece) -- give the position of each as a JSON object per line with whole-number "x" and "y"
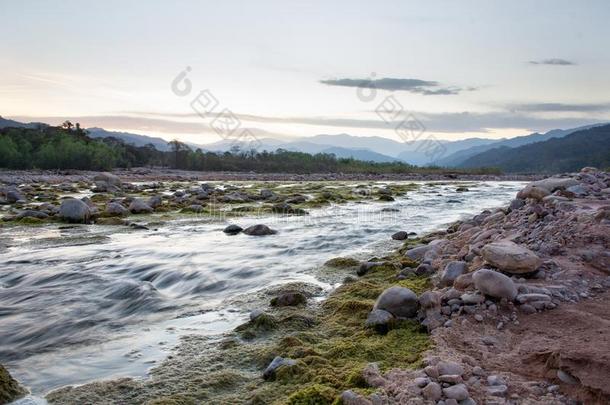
{"x": 69, "y": 147}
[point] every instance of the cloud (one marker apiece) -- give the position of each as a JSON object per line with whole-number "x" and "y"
{"x": 552, "y": 61}
{"x": 559, "y": 107}
{"x": 425, "y": 87}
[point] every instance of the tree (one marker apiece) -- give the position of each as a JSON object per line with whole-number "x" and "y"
{"x": 67, "y": 125}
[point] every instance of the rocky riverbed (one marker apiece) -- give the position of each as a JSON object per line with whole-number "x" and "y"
{"x": 508, "y": 306}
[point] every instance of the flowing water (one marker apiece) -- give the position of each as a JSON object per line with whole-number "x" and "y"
{"x": 79, "y": 303}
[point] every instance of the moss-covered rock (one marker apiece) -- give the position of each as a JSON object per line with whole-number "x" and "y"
{"x": 10, "y": 389}
{"x": 342, "y": 262}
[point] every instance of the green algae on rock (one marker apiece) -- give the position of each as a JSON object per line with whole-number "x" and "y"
{"x": 342, "y": 262}
{"x": 10, "y": 389}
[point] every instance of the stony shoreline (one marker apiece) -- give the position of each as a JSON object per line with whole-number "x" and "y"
{"x": 157, "y": 174}
{"x": 510, "y": 306}
{"x": 520, "y": 311}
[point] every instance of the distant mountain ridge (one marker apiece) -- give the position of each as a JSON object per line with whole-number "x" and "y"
{"x": 134, "y": 139}
{"x": 6, "y": 123}
{"x": 585, "y": 147}
{"x": 368, "y": 148}
{"x": 455, "y": 159}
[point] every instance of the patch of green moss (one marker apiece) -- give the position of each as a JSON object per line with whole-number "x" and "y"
{"x": 173, "y": 400}
{"x": 259, "y": 325}
{"x": 342, "y": 262}
{"x": 332, "y": 354}
{"x": 31, "y": 221}
{"x": 314, "y": 394}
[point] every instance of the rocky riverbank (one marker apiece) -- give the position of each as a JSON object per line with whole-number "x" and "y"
{"x": 160, "y": 174}
{"x": 520, "y": 309}
{"x": 510, "y": 306}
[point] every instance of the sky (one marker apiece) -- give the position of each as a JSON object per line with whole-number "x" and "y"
{"x": 285, "y": 70}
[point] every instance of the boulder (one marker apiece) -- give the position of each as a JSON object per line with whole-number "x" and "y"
{"x": 430, "y": 299}
{"x": 108, "y": 178}
{"x": 510, "y": 257}
{"x": 379, "y": 320}
{"x": 516, "y": 204}
{"x": 275, "y": 364}
{"x": 289, "y": 299}
{"x": 494, "y": 284}
{"x": 10, "y": 389}
{"x": 32, "y": 214}
{"x": 233, "y": 229}
{"x": 449, "y": 368}
{"x": 463, "y": 282}
{"x": 154, "y": 201}
{"x": 285, "y": 208}
{"x": 351, "y": 398}
{"x": 12, "y": 195}
{"x": 106, "y": 182}
{"x": 138, "y": 206}
{"x": 235, "y": 197}
{"x": 114, "y": 209}
{"x": 432, "y": 392}
{"x": 400, "y": 235}
{"x": 426, "y": 252}
{"x": 417, "y": 253}
{"x": 578, "y": 190}
{"x": 259, "y": 230}
{"x": 452, "y": 271}
{"x": 399, "y": 301}
{"x": 458, "y": 392}
{"x": 267, "y": 194}
{"x": 74, "y": 210}
{"x": 533, "y": 191}
{"x": 555, "y": 183}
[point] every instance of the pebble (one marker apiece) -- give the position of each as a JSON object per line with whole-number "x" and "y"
{"x": 498, "y": 390}
{"x": 495, "y": 380}
{"x": 566, "y": 377}
{"x": 552, "y": 388}
{"x": 421, "y": 381}
{"x": 478, "y": 317}
{"x": 477, "y": 370}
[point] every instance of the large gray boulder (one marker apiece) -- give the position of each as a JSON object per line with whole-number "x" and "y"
{"x": 259, "y": 230}
{"x": 74, "y": 210}
{"x": 452, "y": 271}
{"x": 12, "y": 195}
{"x": 138, "y": 206}
{"x": 106, "y": 182}
{"x": 533, "y": 191}
{"x": 379, "y": 320}
{"x": 115, "y": 209}
{"x": 10, "y": 390}
{"x": 154, "y": 201}
{"x": 510, "y": 257}
{"x": 494, "y": 284}
{"x": 108, "y": 178}
{"x": 555, "y": 183}
{"x": 399, "y": 301}
{"x": 426, "y": 252}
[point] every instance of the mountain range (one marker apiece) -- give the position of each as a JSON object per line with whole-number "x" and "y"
{"x": 461, "y": 153}
{"x": 585, "y": 147}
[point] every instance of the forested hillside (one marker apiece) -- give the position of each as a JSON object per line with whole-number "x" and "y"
{"x": 589, "y": 147}
{"x": 69, "y": 147}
